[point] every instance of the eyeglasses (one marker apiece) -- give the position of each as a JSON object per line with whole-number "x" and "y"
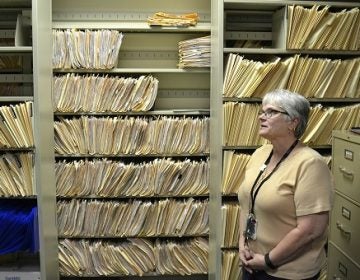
{"x": 271, "y": 112}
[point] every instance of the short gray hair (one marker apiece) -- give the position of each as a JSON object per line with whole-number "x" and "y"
{"x": 293, "y": 103}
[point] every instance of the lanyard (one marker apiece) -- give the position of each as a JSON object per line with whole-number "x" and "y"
{"x": 252, "y": 194}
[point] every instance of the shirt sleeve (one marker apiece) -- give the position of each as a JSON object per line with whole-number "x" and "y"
{"x": 314, "y": 188}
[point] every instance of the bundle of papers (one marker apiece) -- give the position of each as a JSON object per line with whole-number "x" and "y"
{"x": 322, "y": 121}
{"x": 106, "y": 178}
{"x": 184, "y": 258}
{"x": 89, "y": 258}
{"x": 16, "y": 126}
{"x": 233, "y": 171}
{"x": 10, "y": 62}
{"x": 317, "y": 28}
{"x": 195, "y": 52}
{"x": 87, "y": 49}
{"x": 99, "y": 218}
{"x": 134, "y": 256}
{"x": 311, "y": 77}
{"x": 241, "y": 124}
{"x": 231, "y": 231}
{"x": 130, "y": 135}
{"x": 7, "y": 89}
{"x": 94, "y": 93}
{"x": 166, "y": 19}
{"x": 16, "y": 174}
{"x": 231, "y": 265}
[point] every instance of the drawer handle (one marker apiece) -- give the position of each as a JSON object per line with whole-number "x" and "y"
{"x": 344, "y": 231}
{"x": 346, "y": 172}
{"x": 336, "y": 278}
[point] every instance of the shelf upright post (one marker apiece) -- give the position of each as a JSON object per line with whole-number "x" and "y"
{"x": 44, "y": 138}
{"x": 216, "y": 130}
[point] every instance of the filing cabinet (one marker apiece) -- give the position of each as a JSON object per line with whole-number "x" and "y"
{"x": 346, "y": 164}
{"x": 344, "y": 240}
{"x": 340, "y": 266}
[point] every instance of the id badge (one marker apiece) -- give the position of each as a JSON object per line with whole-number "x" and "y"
{"x": 251, "y": 225}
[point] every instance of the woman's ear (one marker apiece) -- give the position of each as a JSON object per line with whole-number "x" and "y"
{"x": 293, "y": 124}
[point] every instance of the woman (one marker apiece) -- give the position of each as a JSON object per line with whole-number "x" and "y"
{"x": 285, "y": 197}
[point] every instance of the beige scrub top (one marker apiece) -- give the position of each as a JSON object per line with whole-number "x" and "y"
{"x": 301, "y": 185}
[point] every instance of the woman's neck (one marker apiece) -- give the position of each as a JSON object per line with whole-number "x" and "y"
{"x": 280, "y": 146}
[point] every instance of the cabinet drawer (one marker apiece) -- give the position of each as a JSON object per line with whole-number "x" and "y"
{"x": 340, "y": 267}
{"x": 345, "y": 227}
{"x": 346, "y": 170}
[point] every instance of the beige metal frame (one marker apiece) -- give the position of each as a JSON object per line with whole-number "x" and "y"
{"x": 216, "y": 128}
{"x": 44, "y": 139}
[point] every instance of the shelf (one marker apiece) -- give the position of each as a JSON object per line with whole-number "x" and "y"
{"x": 229, "y": 196}
{"x": 19, "y": 197}
{"x": 275, "y": 4}
{"x": 289, "y": 52}
{"x": 154, "y": 274}
{"x": 133, "y": 236}
{"x": 230, "y": 248}
{"x": 130, "y": 26}
{"x": 197, "y": 196}
{"x": 237, "y": 99}
{"x": 16, "y": 78}
{"x": 20, "y": 150}
{"x": 131, "y": 155}
{"x": 248, "y": 148}
{"x": 136, "y": 70}
{"x": 16, "y": 98}
{"x": 185, "y": 112}
{"x": 16, "y": 49}
{"x": 15, "y": 3}
{"x": 311, "y": 100}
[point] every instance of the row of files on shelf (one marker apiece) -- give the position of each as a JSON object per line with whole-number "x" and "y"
{"x": 308, "y": 76}
{"x": 165, "y": 217}
{"x": 134, "y": 256}
{"x": 322, "y": 121}
{"x": 99, "y": 49}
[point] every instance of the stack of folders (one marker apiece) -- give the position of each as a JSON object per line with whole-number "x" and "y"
{"x": 135, "y": 256}
{"x": 10, "y": 62}
{"x": 195, "y": 52}
{"x": 106, "y": 178}
{"x": 311, "y": 77}
{"x": 98, "y": 218}
{"x": 9, "y": 89}
{"x": 130, "y": 135}
{"x": 241, "y": 124}
{"x": 16, "y": 126}
{"x": 93, "y": 258}
{"x": 323, "y": 121}
{"x": 184, "y": 258}
{"x": 318, "y": 28}
{"x": 89, "y": 49}
{"x": 166, "y": 19}
{"x": 94, "y": 93}
{"x": 233, "y": 171}
{"x": 231, "y": 266}
{"x": 16, "y": 174}
{"x": 231, "y": 230}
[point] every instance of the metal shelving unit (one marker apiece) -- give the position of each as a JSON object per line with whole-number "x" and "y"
{"x": 144, "y": 50}
{"x": 269, "y": 25}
